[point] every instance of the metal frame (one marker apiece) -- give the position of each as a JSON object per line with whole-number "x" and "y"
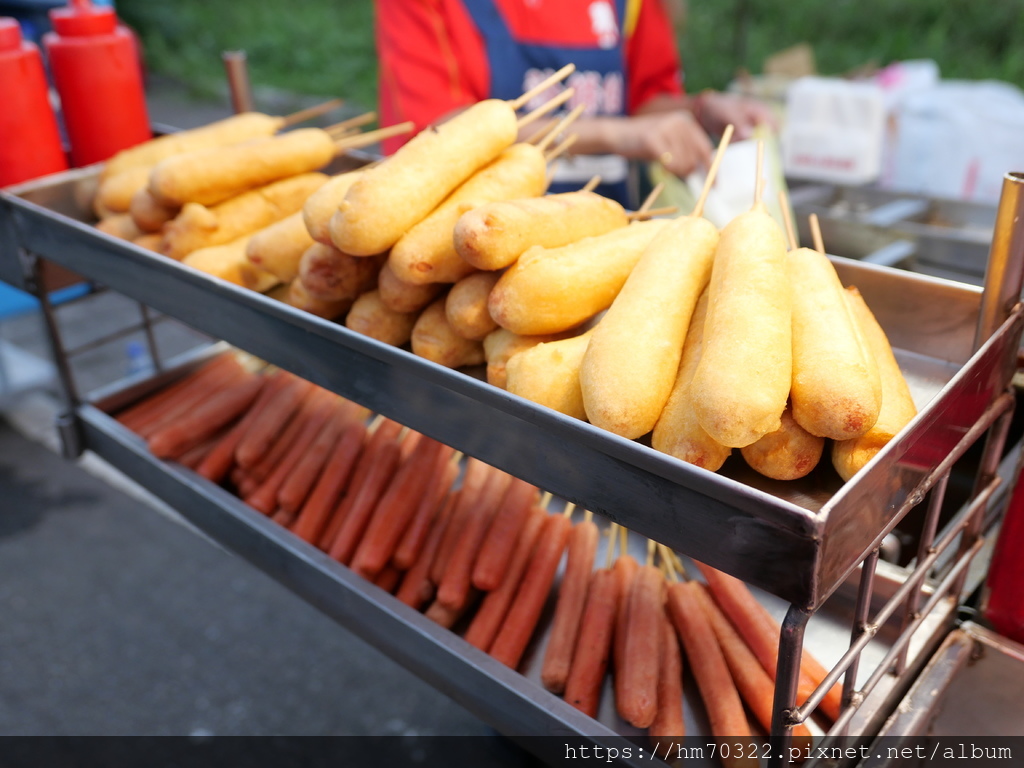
{"x": 627, "y": 482}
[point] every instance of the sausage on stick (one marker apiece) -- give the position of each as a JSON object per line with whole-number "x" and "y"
{"x": 417, "y": 588}
{"x": 442, "y": 477}
{"x": 499, "y": 544}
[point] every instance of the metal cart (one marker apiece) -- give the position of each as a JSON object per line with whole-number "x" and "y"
{"x": 809, "y": 548}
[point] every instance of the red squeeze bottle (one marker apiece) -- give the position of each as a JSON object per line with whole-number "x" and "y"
{"x": 1002, "y": 603}
{"x": 30, "y": 143}
{"x": 95, "y": 66}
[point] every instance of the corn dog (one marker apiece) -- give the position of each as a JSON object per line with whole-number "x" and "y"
{"x": 678, "y": 433}
{"x": 210, "y": 176}
{"x": 500, "y": 345}
{"x": 231, "y": 130}
{"x": 370, "y": 317}
{"x": 743, "y": 378}
{"x": 466, "y": 305}
{"x": 297, "y": 296}
{"x": 401, "y": 296}
{"x": 119, "y": 225}
{"x": 549, "y": 374}
{"x": 494, "y": 235}
{"x": 434, "y": 339}
{"x": 199, "y": 227}
{"x": 788, "y": 453}
{"x": 228, "y": 262}
{"x": 330, "y": 275}
{"x": 549, "y": 290}
{"x": 848, "y": 456}
{"x": 836, "y": 389}
{"x": 323, "y": 203}
{"x": 278, "y": 247}
{"x": 426, "y": 253}
{"x": 115, "y": 192}
{"x": 389, "y": 199}
{"x": 151, "y": 241}
{"x": 148, "y": 213}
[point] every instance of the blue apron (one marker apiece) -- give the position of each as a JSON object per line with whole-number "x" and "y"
{"x": 510, "y": 60}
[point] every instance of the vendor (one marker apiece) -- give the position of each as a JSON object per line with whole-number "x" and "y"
{"x": 438, "y": 56}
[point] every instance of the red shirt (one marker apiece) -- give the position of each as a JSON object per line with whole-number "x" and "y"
{"x": 433, "y": 60}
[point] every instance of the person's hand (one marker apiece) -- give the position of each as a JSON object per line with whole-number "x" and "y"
{"x": 716, "y": 110}
{"x": 672, "y": 138}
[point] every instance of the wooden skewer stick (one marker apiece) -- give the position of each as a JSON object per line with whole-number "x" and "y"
{"x": 543, "y": 109}
{"x": 352, "y": 122}
{"x": 456, "y": 457}
{"x": 569, "y": 508}
{"x": 650, "y": 552}
{"x": 612, "y": 536}
{"x": 788, "y": 221}
{"x": 560, "y": 127}
{"x": 310, "y": 112}
{"x": 698, "y": 209}
{"x": 545, "y": 500}
{"x": 623, "y": 540}
{"x": 561, "y": 149}
{"x": 377, "y": 421}
{"x": 641, "y": 215}
{"x": 543, "y": 85}
{"x": 645, "y": 206}
{"x": 759, "y": 178}
{"x": 372, "y": 137}
{"x": 591, "y": 185}
{"x": 819, "y": 244}
{"x": 587, "y": 515}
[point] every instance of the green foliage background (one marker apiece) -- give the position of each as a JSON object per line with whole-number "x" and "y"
{"x": 325, "y": 47}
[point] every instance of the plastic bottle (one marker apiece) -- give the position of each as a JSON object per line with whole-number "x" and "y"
{"x": 30, "y": 144}
{"x": 95, "y": 66}
{"x": 1003, "y": 605}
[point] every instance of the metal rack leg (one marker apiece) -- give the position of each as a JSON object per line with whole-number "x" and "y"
{"x": 69, "y": 429}
{"x": 787, "y": 678}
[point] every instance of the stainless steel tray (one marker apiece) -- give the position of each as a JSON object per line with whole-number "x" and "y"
{"x": 798, "y": 541}
{"x": 515, "y": 703}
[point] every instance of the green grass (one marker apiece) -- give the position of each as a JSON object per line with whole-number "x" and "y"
{"x": 325, "y": 47}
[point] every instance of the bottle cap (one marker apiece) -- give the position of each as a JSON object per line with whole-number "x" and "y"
{"x": 10, "y": 34}
{"x": 82, "y": 18}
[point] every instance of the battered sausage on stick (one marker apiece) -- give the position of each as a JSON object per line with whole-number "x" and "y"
{"x": 277, "y": 248}
{"x": 330, "y": 275}
{"x": 399, "y": 193}
{"x": 836, "y": 390}
{"x": 401, "y": 296}
{"x": 370, "y": 317}
{"x": 114, "y": 194}
{"x": 435, "y": 339}
{"x": 678, "y": 432}
{"x": 466, "y": 306}
{"x": 632, "y": 360}
{"x": 742, "y": 381}
{"x": 297, "y": 296}
{"x": 323, "y": 203}
{"x": 898, "y": 406}
{"x": 222, "y": 133}
{"x": 727, "y": 717}
{"x": 549, "y": 374}
{"x": 151, "y": 242}
{"x": 572, "y": 596}
{"x": 120, "y": 225}
{"x": 754, "y": 684}
{"x": 521, "y": 621}
{"x": 211, "y": 176}
{"x": 228, "y": 262}
{"x": 197, "y": 226}
{"x": 549, "y": 290}
{"x": 489, "y": 617}
{"x": 426, "y": 253}
{"x": 494, "y": 235}
{"x": 148, "y": 213}
{"x": 788, "y": 453}
{"x": 499, "y": 347}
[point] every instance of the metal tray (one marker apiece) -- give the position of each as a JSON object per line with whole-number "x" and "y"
{"x": 514, "y": 703}
{"x": 798, "y": 541}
